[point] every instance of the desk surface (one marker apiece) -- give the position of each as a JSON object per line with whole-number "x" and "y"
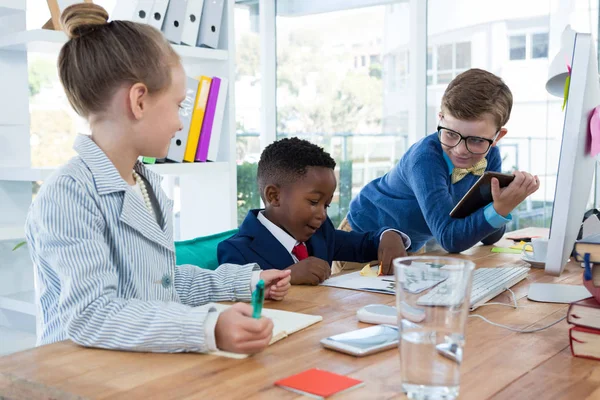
{"x": 497, "y": 363}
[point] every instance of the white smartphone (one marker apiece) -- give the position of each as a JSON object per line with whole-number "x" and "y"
{"x": 362, "y": 342}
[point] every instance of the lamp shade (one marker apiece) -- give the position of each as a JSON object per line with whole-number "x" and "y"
{"x": 558, "y": 71}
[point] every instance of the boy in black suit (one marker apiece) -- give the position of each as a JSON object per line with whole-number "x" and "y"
{"x": 297, "y": 181}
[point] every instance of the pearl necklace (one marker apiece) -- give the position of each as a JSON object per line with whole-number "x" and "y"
{"x": 140, "y": 182}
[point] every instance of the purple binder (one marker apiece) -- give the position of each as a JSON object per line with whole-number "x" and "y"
{"x": 209, "y": 117}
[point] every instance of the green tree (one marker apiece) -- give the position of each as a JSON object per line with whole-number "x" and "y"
{"x": 248, "y": 194}
{"x": 345, "y": 101}
{"x": 41, "y": 72}
{"x": 248, "y": 56}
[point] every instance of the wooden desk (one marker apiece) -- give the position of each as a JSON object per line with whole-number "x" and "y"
{"x": 497, "y": 363}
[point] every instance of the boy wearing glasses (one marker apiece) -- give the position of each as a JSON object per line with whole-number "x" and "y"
{"x": 417, "y": 196}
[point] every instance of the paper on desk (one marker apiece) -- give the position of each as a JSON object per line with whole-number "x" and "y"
{"x": 285, "y": 323}
{"x": 417, "y": 279}
{"x": 595, "y": 131}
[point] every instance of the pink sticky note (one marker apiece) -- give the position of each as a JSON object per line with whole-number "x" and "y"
{"x": 595, "y": 131}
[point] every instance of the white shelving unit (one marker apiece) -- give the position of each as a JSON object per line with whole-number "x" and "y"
{"x": 8, "y": 7}
{"x": 207, "y": 191}
{"x": 45, "y": 41}
{"x": 26, "y": 174}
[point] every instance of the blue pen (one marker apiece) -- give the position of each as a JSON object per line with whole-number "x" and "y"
{"x": 258, "y": 297}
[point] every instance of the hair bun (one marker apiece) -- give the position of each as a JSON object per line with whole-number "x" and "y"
{"x": 82, "y": 18}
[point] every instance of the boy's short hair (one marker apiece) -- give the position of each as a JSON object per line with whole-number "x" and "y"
{"x": 286, "y": 160}
{"x": 475, "y": 93}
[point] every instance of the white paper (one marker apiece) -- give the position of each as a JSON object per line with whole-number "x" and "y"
{"x": 417, "y": 278}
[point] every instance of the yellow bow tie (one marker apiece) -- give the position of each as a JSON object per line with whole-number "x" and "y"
{"x": 477, "y": 169}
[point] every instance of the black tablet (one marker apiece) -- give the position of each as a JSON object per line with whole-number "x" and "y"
{"x": 480, "y": 195}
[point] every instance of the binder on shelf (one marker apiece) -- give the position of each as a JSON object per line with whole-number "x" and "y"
{"x": 210, "y": 26}
{"x": 197, "y": 118}
{"x": 179, "y": 142}
{"x": 157, "y": 15}
{"x": 217, "y": 125}
{"x": 149, "y": 160}
{"x": 191, "y": 24}
{"x": 207, "y": 124}
{"x": 142, "y": 11}
{"x": 173, "y": 25}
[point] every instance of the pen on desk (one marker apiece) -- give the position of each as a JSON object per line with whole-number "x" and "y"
{"x": 258, "y": 297}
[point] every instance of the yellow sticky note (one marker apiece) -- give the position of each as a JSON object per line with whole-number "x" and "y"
{"x": 368, "y": 271}
{"x": 505, "y": 250}
{"x": 522, "y": 245}
{"x": 566, "y": 91}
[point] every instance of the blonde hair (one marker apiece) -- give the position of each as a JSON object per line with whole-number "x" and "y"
{"x": 100, "y": 56}
{"x": 475, "y": 93}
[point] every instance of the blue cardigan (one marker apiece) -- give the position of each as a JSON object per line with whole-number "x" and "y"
{"x": 255, "y": 244}
{"x": 417, "y": 195}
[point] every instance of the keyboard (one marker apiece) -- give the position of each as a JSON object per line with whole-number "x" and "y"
{"x": 487, "y": 284}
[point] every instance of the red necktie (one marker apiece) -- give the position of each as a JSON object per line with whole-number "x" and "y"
{"x": 300, "y": 251}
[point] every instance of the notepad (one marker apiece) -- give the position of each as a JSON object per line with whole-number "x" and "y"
{"x": 284, "y": 324}
{"x": 318, "y": 384}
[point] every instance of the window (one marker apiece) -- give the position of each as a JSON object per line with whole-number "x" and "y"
{"x": 444, "y": 57}
{"x": 518, "y": 47}
{"x": 392, "y": 79}
{"x": 247, "y": 108}
{"x": 463, "y": 56}
{"x": 539, "y": 45}
{"x": 449, "y": 60}
{"x": 512, "y": 47}
{"x": 429, "y": 58}
{"x": 528, "y": 46}
{"x": 348, "y": 92}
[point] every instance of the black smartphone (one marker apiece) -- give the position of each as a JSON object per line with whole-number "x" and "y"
{"x": 480, "y": 195}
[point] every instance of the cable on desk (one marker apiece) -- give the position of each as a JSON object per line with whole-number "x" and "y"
{"x": 515, "y": 306}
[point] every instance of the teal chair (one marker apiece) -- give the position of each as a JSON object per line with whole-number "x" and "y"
{"x": 201, "y": 251}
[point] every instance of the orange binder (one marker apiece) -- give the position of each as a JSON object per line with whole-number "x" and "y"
{"x": 197, "y": 118}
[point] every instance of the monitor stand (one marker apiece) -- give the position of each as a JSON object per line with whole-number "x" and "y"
{"x": 557, "y": 293}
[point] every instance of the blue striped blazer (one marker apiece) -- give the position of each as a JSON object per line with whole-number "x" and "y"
{"x": 105, "y": 269}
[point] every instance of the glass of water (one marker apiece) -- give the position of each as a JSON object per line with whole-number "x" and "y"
{"x": 433, "y": 301}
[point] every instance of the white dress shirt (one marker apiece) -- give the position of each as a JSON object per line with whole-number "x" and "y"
{"x": 288, "y": 242}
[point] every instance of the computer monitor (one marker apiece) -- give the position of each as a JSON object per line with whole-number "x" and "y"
{"x": 576, "y": 167}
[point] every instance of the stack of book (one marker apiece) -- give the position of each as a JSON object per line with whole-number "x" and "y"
{"x": 590, "y": 246}
{"x": 585, "y": 314}
{"x": 585, "y": 334}
{"x": 201, "y": 114}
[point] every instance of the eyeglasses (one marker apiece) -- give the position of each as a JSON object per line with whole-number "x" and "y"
{"x": 475, "y": 144}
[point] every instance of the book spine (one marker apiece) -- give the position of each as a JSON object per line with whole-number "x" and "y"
{"x": 572, "y": 339}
